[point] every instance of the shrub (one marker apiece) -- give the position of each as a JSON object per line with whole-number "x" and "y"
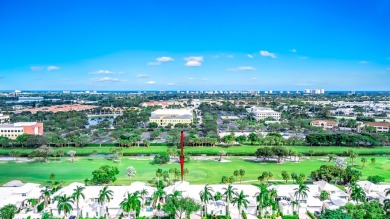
{"x": 311, "y": 215}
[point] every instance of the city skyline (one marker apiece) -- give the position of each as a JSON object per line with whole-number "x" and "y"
{"x": 176, "y": 45}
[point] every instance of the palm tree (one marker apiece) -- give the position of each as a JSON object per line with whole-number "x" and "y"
{"x": 64, "y": 203}
{"x": 261, "y": 198}
{"x": 158, "y": 194}
{"x": 159, "y": 173}
{"x": 143, "y": 193}
{"x": 352, "y": 156}
{"x": 45, "y": 195}
{"x": 242, "y": 173}
{"x": 104, "y": 196}
{"x": 8, "y": 211}
{"x": 131, "y": 203}
{"x": 240, "y": 200}
{"x": 357, "y": 193}
{"x": 301, "y": 192}
{"x": 229, "y": 193}
{"x": 236, "y": 173}
{"x": 77, "y": 194}
{"x": 205, "y": 196}
{"x": 33, "y": 202}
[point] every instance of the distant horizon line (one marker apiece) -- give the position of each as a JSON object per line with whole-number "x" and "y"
{"x": 202, "y": 90}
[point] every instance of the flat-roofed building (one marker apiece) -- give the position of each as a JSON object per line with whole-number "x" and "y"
{"x": 12, "y": 131}
{"x": 261, "y": 113}
{"x": 163, "y": 117}
{"x": 4, "y": 118}
{"x": 326, "y": 124}
{"x": 380, "y": 126}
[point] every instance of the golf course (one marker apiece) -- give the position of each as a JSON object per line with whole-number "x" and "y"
{"x": 200, "y": 171}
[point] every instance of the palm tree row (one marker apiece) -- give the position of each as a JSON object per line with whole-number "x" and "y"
{"x": 230, "y": 196}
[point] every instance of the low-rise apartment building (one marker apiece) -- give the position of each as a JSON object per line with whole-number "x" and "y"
{"x": 163, "y": 117}
{"x": 379, "y": 126}
{"x": 325, "y": 124}
{"x": 261, "y": 113}
{"x": 12, "y": 131}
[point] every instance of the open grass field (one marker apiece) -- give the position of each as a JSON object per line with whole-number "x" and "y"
{"x": 244, "y": 150}
{"x": 200, "y": 171}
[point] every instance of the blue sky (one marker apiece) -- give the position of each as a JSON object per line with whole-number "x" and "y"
{"x": 194, "y": 45}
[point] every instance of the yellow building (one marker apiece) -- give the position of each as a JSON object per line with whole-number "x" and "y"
{"x": 163, "y": 117}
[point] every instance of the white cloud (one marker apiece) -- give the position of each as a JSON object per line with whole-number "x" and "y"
{"x": 293, "y": 50}
{"x": 160, "y": 60}
{"x": 143, "y": 76}
{"x": 193, "y": 61}
{"x": 250, "y": 56}
{"x": 35, "y": 68}
{"x": 102, "y": 72}
{"x": 253, "y": 78}
{"x": 267, "y": 54}
{"x": 191, "y": 78}
{"x": 230, "y": 56}
{"x": 363, "y": 62}
{"x": 150, "y": 82}
{"x": 164, "y": 59}
{"x": 170, "y": 83}
{"x": 205, "y": 79}
{"x": 153, "y": 63}
{"x": 105, "y": 80}
{"x": 242, "y": 68}
{"x": 52, "y": 67}
{"x": 121, "y": 73}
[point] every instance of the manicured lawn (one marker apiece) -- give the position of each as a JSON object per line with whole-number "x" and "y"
{"x": 200, "y": 171}
{"x": 243, "y": 150}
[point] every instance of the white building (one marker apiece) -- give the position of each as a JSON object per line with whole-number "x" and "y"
{"x": 261, "y": 113}
{"x": 4, "y": 118}
{"x": 163, "y": 117}
{"x": 17, "y": 193}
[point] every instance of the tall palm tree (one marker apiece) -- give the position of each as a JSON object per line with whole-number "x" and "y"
{"x": 33, "y": 203}
{"x": 301, "y": 192}
{"x": 229, "y": 193}
{"x": 131, "y": 203}
{"x": 261, "y": 198}
{"x": 241, "y": 173}
{"x": 64, "y": 203}
{"x": 77, "y": 194}
{"x": 158, "y": 194}
{"x": 205, "y": 196}
{"x": 143, "y": 193}
{"x": 45, "y": 195}
{"x": 104, "y": 196}
{"x": 240, "y": 200}
{"x": 357, "y": 193}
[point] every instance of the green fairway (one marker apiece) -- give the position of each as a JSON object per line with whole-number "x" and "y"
{"x": 244, "y": 150}
{"x": 200, "y": 171}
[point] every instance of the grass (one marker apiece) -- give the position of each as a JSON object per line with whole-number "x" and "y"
{"x": 200, "y": 171}
{"x": 244, "y": 150}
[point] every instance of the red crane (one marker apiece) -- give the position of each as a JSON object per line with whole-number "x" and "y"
{"x": 182, "y": 155}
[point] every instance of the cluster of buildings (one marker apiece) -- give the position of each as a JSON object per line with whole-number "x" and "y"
{"x": 58, "y": 108}
{"x": 164, "y": 117}
{"x": 19, "y": 194}
{"x": 4, "y": 118}
{"x": 314, "y": 91}
{"x": 380, "y": 127}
